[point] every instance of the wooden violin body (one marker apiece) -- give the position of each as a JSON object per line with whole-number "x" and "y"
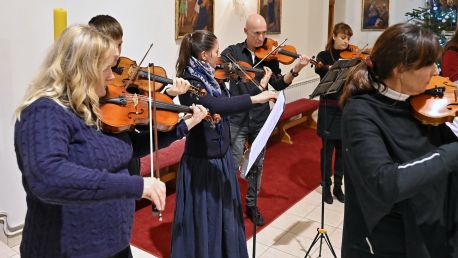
{"x": 121, "y": 111}
{"x": 127, "y": 72}
{"x": 235, "y": 71}
{"x": 285, "y": 54}
{"x": 438, "y": 104}
{"x": 355, "y": 52}
{"x": 124, "y": 76}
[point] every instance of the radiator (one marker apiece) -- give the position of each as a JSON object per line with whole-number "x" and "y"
{"x": 301, "y": 89}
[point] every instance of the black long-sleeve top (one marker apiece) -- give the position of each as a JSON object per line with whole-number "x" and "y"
{"x": 258, "y": 114}
{"x": 397, "y": 175}
{"x": 206, "y": 140}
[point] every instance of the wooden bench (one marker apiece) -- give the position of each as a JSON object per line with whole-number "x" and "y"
{"x": 295, "y": 113}
{"x": 169, "y": 159}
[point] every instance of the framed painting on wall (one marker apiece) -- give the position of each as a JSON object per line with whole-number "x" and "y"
{"x": 191, "y": 15}
{"x": 271, "y": 11}
{"x": 375, "y": 14}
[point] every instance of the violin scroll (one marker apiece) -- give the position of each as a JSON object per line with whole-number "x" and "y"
{"x": 316, "y": 63}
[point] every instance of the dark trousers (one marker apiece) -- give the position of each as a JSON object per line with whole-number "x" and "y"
{"x": 238, "y": 137}
{"x": 332, "y": 146}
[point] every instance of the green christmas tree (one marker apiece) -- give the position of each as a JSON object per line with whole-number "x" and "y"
{"x": 438, "y": 16}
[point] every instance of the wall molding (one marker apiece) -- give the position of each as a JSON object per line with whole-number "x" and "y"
{"x": 7, "y": 230}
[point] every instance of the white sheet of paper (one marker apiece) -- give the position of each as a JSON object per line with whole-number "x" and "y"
{"x": 266, "y": 130}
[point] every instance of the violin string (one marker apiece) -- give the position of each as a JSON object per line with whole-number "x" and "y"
{"x": 160, "y": 104}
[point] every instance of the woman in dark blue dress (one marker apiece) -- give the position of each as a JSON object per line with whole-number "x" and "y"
{"x": 208, "y": 218}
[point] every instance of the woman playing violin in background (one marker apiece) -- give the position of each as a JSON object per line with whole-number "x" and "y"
{"x": 400, "y": 173}
{"x": 208, "y": 220}
{"x": 329, "y": 115}
{"x": 246, "y": 125}
{"x": 80, "y": 196}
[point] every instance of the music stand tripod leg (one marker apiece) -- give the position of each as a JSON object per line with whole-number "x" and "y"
{"x": 320, "y": 235}
{"x": 322, "y": 232}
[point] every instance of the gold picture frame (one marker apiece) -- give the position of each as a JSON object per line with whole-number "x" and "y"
{"x": 193, "y": 15}
{"x": 375, "y": 14}
{"x": 271, "y": 11}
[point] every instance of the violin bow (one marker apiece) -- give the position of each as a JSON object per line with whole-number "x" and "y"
{"x": 131, "y": 78}
{"x": 234, "y": 62}
{"x": 363, "y": 48}
{"x": 270, "y": 53}
{"x": 154, "y": 156}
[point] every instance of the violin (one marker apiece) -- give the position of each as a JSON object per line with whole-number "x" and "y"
{"x": 354, "y": 51}
{"x": 126, "y": 74}
{"x": 239, "y": 69}
{"x": 120, "y": 111}
{"x": 138, "y": 83}
{"x": 438, "y": 104}
{"x": 145, "y": 76}
{"x": 285, "y": 54}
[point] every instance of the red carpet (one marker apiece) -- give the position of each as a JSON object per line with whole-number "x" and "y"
{"x": 290, "y": 173}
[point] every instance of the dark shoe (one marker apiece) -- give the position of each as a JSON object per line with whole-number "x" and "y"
{"x": 337, "y": 191}
{"x": 255, "y": 216}
{"x": 327, "y": 195}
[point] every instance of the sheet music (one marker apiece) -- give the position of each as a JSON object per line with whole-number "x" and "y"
{"x": 266, "y": 130}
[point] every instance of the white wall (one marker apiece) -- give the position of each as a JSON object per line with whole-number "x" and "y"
{"x": 27, "y": 33}
{"x": 349, "y": 11}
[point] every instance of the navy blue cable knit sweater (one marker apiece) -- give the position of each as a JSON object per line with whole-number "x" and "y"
{"x": 80, "y": 197}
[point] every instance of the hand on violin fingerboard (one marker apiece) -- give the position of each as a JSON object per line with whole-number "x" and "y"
{"x": 265, "y": 79}
{"x": 199, "y": 112}
{"x": 179, "y": 86}
{"x": 302, "y": 62}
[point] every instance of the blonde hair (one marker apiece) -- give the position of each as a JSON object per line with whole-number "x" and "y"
{"x": 72, "y": 71}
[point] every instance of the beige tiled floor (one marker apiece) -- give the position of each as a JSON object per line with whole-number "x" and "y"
{"x": 289, "y": 236}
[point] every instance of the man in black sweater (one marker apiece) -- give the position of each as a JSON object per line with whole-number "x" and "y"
{"x": 245, "y": 126}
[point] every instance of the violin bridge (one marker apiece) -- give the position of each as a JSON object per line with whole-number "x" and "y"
{"x": 135, "y": 99}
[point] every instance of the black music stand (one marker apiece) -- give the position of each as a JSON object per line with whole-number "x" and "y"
{"x": 332, "y": 82}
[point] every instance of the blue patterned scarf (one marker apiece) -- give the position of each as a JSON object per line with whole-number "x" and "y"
{"x": 204, "y": 72}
